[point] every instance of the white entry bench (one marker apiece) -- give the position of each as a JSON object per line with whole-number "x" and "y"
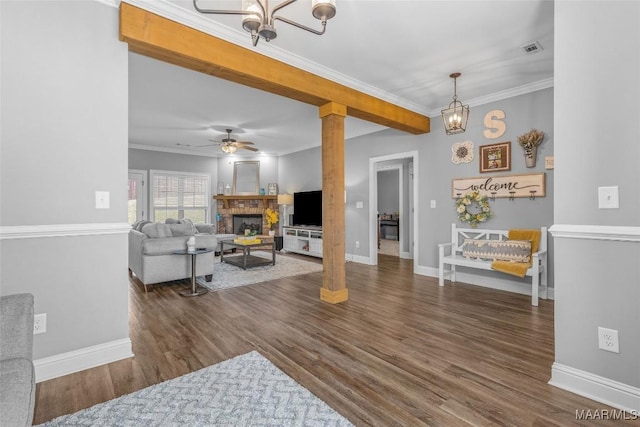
{"x": 451, "y": 253}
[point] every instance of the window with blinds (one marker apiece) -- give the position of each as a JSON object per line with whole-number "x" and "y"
{"x": 179, "y": 195}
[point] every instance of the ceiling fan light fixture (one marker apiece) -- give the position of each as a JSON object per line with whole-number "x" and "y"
{"x": 228, "y": 148}
{"x": 455, "y": 117}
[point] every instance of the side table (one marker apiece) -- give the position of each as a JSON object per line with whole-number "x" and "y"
{"x": 195, "y": 289}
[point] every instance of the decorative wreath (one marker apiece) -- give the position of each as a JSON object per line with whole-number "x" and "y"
{"x": 480, "y": 210}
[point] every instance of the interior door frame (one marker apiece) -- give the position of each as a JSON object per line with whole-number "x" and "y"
{"x": 401, "y": 223}
{"x": 144, "y": 189}
{"x": 373, "y": 204}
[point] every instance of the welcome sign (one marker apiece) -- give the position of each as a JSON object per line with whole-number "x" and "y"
{"x": 511, "y": 186}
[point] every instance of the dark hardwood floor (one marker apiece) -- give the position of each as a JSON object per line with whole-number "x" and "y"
{"x": 401, "y": 352}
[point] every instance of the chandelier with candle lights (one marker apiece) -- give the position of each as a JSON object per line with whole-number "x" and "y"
{"x": 455, "y": 117}
{"x": 259, "y": 20}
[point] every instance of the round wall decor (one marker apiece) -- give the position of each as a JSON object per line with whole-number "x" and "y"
{"x": 462, "y": 152}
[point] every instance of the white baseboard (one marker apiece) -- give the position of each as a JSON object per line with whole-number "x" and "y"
{"x": 487, "y": 282}
{"x": 84, "y": 358}
{"x": 359, "y": 259}
{"x": 405, "y": 255}
{"x": 601, "y": 389}
{"x": 426, "y": 271}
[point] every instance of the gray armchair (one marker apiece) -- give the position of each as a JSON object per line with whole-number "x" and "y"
{"x": 17, "y": 375}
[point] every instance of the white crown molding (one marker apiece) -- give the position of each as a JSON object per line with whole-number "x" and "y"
{"x": 213, "y": 156}
{"x": 600, "y": 389}
{"x": 84, "y": 358}
{"x": 110, "y": 3}
{"x": 61, "y": 230}
{"x": 504, "y": 94}
{"x": 596, "y": 232}
{"x": 298, "y": 149}
{"x": 172, "y": 150}
{"x": 241, "y": 38}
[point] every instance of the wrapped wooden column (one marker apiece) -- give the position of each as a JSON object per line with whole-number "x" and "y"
{"x": 334, "y": 289}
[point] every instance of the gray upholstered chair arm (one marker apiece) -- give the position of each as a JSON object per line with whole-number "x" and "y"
{"x": 135, "y": 250}
{"x": 16, "y": 326}
{"x": 208, "y": 241}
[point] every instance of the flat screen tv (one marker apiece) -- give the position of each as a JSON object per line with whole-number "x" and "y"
{"x": 307, "y": 208}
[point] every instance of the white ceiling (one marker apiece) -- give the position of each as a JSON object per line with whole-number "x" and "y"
{"x": 400, "y": 51}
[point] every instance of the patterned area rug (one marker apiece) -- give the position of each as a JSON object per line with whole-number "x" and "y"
{"x": 247, "y": 390}
{"x": 229, "y": 276}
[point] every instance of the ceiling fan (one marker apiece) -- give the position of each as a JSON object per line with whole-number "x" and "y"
{"x": 230, "y": 145}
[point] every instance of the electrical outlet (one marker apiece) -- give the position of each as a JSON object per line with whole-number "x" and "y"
{"x": 357, "y": 244}
{"x": 608, "y": 340}
{"x": 40, "y": 323}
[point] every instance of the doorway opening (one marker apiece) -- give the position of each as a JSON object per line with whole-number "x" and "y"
{"x": 406, "y": 166}
{"x": 390, "y": 199}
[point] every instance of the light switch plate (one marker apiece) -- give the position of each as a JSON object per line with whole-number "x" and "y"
{"x": 359, "y": 205}
{"x": 433, "y": 204}
{"x": 608, "y": 198}
{"x": 548, "y": 162}
{"x": 102, "y": 200}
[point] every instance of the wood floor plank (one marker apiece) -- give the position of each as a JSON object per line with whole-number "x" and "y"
{"x": 401, "y": 352}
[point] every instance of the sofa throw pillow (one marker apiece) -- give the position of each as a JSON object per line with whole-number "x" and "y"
{"x": 178, "y": 230}
{"x": 187, "y": 221}
{"x": 497, "y": 250}
{"x": 139, "y": 224}
{"x": 171, "y": 221}
{"x": 156, "y": 230}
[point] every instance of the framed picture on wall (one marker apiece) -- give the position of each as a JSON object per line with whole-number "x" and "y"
{"x": 495, "y": 157}
{"x": 272, "y": 189}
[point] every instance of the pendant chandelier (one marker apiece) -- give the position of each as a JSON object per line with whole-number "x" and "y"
{"x": 455, "y": 117}
{"x": 259, "y": 20}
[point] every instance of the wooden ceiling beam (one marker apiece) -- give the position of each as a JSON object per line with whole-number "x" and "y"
{"x": 160, "y": 38}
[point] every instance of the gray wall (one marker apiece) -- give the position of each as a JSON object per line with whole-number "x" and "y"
{"x": 533, "y": 110}
{"x": 268, "y": 169}
{"x": 597, "y": 90}
{"x": 148, "y": 160}
{"x": 388, "y": 191}
{"x": 220, "y": 169}
{"x": 64, "y": 136}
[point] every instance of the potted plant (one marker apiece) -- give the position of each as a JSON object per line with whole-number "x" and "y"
{"x": 272, "y": 217}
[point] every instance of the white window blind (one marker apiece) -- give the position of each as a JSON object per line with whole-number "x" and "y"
{"x": 179, "y": 195}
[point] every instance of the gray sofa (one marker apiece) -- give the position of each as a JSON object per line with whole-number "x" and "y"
{"x": 17, "y": 375}
{"x": 152, "y": 246}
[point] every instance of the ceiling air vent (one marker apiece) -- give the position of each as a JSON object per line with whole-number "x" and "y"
{"x": 532, "y": 47}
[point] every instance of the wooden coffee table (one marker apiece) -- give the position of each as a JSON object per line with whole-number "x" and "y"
{"x": 243, "y": 257}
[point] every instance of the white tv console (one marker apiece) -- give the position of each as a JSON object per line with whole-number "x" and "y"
{"x": 302, "y": 240}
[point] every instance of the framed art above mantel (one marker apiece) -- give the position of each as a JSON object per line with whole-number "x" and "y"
{"x": 527, "y": 185}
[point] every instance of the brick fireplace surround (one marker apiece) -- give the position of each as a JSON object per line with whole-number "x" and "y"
{"x": 228, "y": 206}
